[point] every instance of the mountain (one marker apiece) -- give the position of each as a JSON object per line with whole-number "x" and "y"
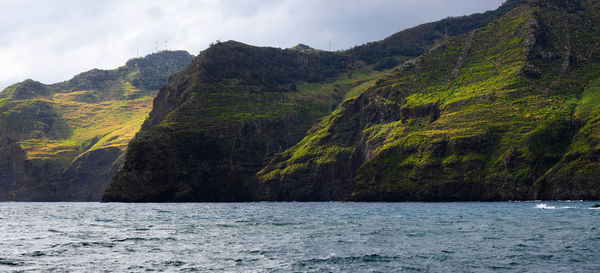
{"x": 508, "y": 111}
{"x": 64, "y": 141}
{"x": 217, "y": 122}
{"x": 410, "y": 43}
{"x": 220, "y": 121}
{"x": 302, "y": 47}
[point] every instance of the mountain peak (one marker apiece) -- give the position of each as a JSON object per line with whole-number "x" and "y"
{"x": 24, "y": 90}
{"x": 302, "y": 47}
{"x": 150, "y": 72}
{"x": 160, "y": 56}
{"x": 69, "y": 136}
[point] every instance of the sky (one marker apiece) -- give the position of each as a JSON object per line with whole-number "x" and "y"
{"x": 53, "y": 40}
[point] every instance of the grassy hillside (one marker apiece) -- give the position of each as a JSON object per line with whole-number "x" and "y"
{"x": 505, "y": 112}
{"x": 72, "y": 134}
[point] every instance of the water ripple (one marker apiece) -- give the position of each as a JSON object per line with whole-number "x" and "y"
{"x": 300, "y": 237}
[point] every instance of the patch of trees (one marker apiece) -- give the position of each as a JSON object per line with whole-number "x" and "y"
{"x": 264, "y": 66}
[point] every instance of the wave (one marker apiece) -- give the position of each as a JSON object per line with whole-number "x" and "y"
{"x": 140, "y": 239}
{"x": 332, "y": 258}
{"x": 544, "y": 206}
{"x": 10, "y": 262}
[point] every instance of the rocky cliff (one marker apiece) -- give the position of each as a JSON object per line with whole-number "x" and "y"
{"x": 505, "y": 112}
{"x": 64, "y": 141}
{"x": 217, "y": 123}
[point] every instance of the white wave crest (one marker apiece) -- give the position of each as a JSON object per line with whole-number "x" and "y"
{"x": 544, "y": 206}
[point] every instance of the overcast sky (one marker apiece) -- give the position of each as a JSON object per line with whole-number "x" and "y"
{"x": 53, "y": 40}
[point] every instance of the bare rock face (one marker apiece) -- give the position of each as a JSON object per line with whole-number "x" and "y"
{"x": 18, "y": 172}
{"x": 87, "y": 175}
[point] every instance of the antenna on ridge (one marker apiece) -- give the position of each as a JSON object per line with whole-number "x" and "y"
{"x": 165, "y": 45}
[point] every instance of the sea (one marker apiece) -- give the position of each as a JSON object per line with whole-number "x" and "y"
{"x": 300, "y": 237}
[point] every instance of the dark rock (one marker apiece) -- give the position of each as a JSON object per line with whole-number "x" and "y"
{"x": 532, "y": 71}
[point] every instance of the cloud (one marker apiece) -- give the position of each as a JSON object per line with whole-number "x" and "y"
{"x": 50, "y": 41}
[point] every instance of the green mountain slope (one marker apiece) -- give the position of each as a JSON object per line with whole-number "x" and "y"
{"x": 65, "y": 141}
{"x": 216, "y": 122}
{"x": 237, "y": 107}
{"x": 415, "y": 41}
{"x": 506, "y": 112}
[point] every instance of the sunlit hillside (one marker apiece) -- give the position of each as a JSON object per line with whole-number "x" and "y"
{"x": 64, "y": 141}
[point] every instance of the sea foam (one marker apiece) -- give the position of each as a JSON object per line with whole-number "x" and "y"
{"x": 544, "y": 206}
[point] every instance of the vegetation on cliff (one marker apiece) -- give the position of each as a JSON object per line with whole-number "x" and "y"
{"x": 64, "y": 141}
{"x": 505, "y": 112}
{"x": 236, "y": 108}
{"x": 217, "y": 122}
{"x": 413, "y": 42}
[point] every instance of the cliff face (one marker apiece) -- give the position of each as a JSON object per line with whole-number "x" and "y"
{"x": 505, "y": 112}
{"x": 215, "y": 124}
{"x": 64, "y": 141}
{"x": 224, "y": 129}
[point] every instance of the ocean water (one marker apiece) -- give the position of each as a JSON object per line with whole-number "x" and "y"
{"x": 300, "y": 237}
